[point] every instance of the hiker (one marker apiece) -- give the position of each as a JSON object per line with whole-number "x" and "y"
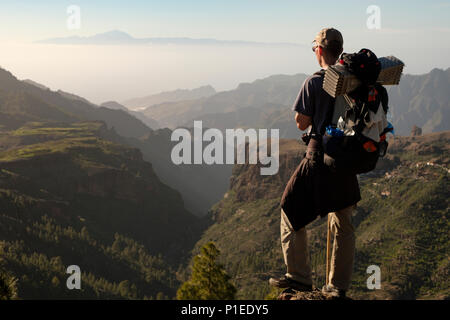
{"x": 322, "y": 191}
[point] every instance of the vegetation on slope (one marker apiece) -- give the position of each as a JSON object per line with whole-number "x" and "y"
{"x": 70, "y": 197}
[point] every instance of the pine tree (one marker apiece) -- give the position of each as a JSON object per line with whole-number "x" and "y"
{"x": 8, "y": 287}
{"x": 208, "y": 281}
{"x": 55, "y": 281}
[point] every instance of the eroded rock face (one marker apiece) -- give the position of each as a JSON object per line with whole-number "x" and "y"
{"x": 247, "y": 178}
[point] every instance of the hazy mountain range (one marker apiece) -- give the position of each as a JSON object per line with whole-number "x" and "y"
{"x": 278, "y": 91}
{"x": 149, "y": 122}
{"x": 169, "y": 96}
{"x": 421, "y": 100}
{"x": 22, "y": 102}
{"x": 117, "y": 37}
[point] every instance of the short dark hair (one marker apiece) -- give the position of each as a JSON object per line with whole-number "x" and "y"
{"x": 334, "y": 50}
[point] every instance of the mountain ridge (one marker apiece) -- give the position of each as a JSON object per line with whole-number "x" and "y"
{"x": 117, "y": 37}
{"x": 169, "y": 96}
{"x": 421, "y": 100}
{"x": 56, "y": 106}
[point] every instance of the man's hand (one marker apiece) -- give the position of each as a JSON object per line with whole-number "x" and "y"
{"x": 303, "y": 121}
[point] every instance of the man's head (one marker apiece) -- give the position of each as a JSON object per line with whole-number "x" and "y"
{"x": 328, "y": 45}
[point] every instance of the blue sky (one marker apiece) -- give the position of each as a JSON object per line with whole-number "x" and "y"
{"x": 255, "y": 20}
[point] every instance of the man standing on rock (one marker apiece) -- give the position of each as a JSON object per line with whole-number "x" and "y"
{"x": 315, "y": 190}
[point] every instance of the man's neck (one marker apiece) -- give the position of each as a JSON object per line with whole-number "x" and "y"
{"x": 324, "y": 65}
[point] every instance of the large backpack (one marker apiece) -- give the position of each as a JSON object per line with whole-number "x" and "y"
{"x": 356, "y": 137}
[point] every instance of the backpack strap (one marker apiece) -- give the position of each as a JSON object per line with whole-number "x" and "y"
{"x": 383, "y": 97}
{"x": 329, "y": 115}
{"x": 313, "y": 133}
{"x": 321, "y": 73}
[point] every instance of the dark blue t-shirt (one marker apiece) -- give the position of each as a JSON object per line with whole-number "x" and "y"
{"x": 315, "y": 102}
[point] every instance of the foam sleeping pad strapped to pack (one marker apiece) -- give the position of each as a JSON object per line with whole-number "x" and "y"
{"x": 339, "y": 80}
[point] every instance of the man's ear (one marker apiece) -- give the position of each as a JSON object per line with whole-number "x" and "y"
{"x": 320, "y": 50}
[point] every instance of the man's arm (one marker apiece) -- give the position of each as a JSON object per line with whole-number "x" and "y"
{"x": 303, "y": 122}
{"x": 304, "y": 105}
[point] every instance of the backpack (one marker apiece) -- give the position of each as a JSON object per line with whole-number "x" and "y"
{"x": 356, "y": 137}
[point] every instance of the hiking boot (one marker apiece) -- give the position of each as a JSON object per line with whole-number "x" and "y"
{"x": 285, "y": 282}
{"x": 333, "y": 292}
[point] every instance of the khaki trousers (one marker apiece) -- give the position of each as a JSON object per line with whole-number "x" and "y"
{"x": 296, "y": 256}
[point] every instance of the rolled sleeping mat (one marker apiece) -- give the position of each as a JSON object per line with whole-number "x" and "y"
{"x": 338, "y": 80}
{"x": 391, "y": 71}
